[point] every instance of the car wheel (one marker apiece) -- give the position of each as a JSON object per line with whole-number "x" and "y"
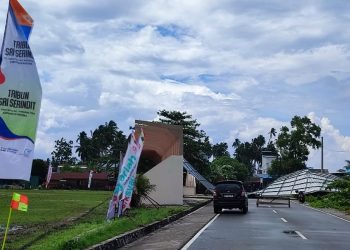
{"x": 217, "y": 210}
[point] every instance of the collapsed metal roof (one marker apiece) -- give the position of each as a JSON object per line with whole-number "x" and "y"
{"x": 308, "y": 181}
{"x": 190, "y": 169}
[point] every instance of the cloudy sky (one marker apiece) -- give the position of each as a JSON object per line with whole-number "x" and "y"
{"x": 238, "y": 67}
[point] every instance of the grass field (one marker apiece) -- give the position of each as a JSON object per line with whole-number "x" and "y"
{"x": 66, "y": 219}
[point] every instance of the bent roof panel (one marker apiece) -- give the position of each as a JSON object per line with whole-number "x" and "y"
{"x": 303, "y": 180}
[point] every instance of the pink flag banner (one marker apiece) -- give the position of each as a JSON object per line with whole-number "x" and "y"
{"x": 130, "y": 182}
{"x": 126, "y": 177}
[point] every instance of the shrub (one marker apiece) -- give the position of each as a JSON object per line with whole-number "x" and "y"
{"x": 143, "y": 188}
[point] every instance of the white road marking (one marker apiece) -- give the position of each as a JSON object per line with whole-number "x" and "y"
{"x": 284, "y": 220}
{"x": 185, "y": 247}
{"x": 325, "y": 212}
{"x": 302, "y": 236}
{"x": 274, "y": 211}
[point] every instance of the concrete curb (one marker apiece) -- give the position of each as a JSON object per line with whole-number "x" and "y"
{"x": 128, "y": 237}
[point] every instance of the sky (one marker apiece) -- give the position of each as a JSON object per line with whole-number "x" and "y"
{"x": 238, "y": 67}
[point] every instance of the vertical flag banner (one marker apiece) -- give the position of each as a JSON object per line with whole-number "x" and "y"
{"x": 20, "y": 96}
{"x": 90, "y": 178}
{"x": 48, "y": 176}
{"x": 130, "y": 181}
{"x": 127, "y": 173}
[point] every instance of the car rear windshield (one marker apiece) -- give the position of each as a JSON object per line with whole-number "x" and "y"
{"x": 232, "y": 187}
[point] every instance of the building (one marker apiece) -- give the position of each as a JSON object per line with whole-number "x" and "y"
{"x": 267, "y": 157}
{"x": 163, "y": 145}
{"x": 76, "y": 180}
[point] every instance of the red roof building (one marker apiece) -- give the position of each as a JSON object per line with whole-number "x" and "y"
{"x": 75, "y": 180}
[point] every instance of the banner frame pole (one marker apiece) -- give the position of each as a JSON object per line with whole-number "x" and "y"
{"x": 7, "y": 227}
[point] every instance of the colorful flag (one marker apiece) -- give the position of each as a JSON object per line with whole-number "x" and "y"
{"x": 20, "y": 96}
{"x": 48, "y": 176}
{"x": 19, "y": 202}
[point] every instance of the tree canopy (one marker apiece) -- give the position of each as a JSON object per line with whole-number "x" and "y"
{"x": 249, "y": 153}
{"x": 197, "y": 148}
{"x": 102, "y": 147}
{"x": 62, "y": 154}
{"x": 293, "y": 145}
{"x": 220, "y": 149}
{"x": 227, "y": 168}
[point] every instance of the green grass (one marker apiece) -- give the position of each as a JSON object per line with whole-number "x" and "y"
{"x": 89, "y": 233}
{"x": 47, "y": 206}
{"x": 333, "y": 200}
{"x": 46, "y": 225}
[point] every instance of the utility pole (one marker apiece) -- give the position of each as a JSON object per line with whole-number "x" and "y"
{"x": 321, "y": 154}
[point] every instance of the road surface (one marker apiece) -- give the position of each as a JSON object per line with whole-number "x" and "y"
{"x": 273, "y": 227}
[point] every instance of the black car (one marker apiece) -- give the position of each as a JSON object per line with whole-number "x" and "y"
{"x": 230, "y": 194}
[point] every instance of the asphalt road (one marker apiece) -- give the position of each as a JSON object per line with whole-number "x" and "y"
{"x": 273, "y": 227}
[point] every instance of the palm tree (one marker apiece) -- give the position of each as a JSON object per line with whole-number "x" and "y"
{"x": 236, "y": 143}
{"x": 83, "y": 149}
{"x": 272, "y": 133}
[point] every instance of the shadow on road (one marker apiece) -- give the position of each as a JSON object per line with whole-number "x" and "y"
{"x": 232, "y": 211}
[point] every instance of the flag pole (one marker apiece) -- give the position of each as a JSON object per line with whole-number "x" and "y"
{"x": 7, "y": 227}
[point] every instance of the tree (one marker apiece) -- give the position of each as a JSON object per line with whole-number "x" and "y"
{"x": 272, "y": 133}
{"x": 257, "y": 146}
{"x": 293, "y": 145}
{"x": 249, "y": 153}
{"x": 85, "y": 148}
{"x": 39, "y": 168}
{"x": 101, "y": 149}
{"x": 197, "y": 148}
{"x": 284, "y": 166}
{"x": 62, "y": 155}
{"x": 220, "y": 149}
{"x": 227, "y": 168}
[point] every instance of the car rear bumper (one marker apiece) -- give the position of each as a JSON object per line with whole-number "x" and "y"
{"x": 230, "y": 203}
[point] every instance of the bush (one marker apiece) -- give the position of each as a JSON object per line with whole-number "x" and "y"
{"x": 142, "y": 189}
{"x": 339, "y": 200}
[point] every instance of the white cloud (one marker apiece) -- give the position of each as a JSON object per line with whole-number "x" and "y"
{"x": 239, "y": 67}
{"x": 336, "y": 145}
{"x": 259, "y": 126}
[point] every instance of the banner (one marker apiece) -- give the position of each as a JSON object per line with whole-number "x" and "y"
{"x": 126, "y": 177}
{"x": 48, "y": 176}
{"x": 130, "y": 182}
{"x": 20, "y": 96}
{"x": 90, "y": 178}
